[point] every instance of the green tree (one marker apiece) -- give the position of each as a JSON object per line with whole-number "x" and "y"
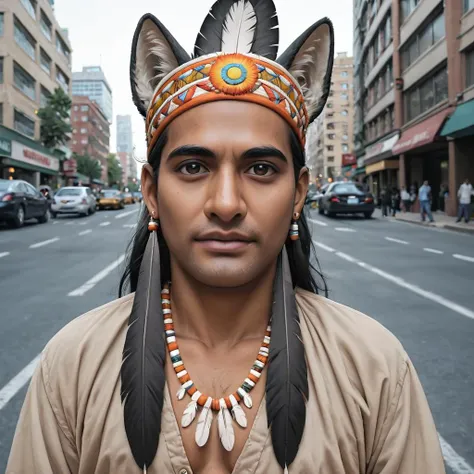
{"x": 114, "y": 170}
{"x": 55, "y": 126}
{"x": 88, "y": 166}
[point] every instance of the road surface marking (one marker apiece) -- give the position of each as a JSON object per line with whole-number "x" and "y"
{"x": 324, "y": 247}
{"x": 453, "y": 459}
{"x": 103, "y": 224}
{"x": 17, "y": 382}
{"x": 125, "y": 214}
{"x": 398, "y": 241}
{"x": 463, "y": 257}
{"x": 45, "y": 242}
{"x": 457, "y": 308}
{"x": 89, "y": 284}
{"x": 83, "y": 223}
{"x": 344, "y": 229}
{"x": 69, "y": 223}
{"x": 55, "y": 222}
{"x": 85, "y": 232}
{"x": 321, "y": 223}
{"x": 438, "y": 252}
{"x": 4, "y": 254}
{"x": 346, "y": 257}
{"x": 130, "y": 226}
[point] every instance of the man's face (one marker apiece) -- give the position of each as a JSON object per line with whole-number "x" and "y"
{"x": 226, "y": 192}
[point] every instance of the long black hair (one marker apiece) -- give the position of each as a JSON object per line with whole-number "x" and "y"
{"x": 304, "y": 265}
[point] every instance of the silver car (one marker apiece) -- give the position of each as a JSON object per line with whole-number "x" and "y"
{"x": 73, "y": 200}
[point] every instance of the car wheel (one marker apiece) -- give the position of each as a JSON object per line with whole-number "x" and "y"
{"x": 321, "y": 209}
{"x": 45, "y": 217}
{"x": 19, "y": 218}
{"x": 53, "y": 215}
{"x": 122, "y": 206}
{"x": 368, "y": 215}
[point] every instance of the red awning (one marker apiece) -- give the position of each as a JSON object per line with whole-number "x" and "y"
{"x": 421, "y": 134}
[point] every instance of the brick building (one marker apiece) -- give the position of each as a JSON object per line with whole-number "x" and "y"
{"x": 91, "y": 131}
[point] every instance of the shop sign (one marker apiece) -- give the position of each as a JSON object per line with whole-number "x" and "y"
{"x": 70, "y": 166}
{"x": 33, "y": 157}
{"x": 5, "y": 147}
{"x": 380, "y": 147}
{"x": 348, "y": 159}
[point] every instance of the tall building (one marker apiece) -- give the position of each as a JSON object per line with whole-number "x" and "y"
{"x": 330, "y": 139}
{"x": 91, "y": 131}
{"x": 91, "y": 82}
{"x": 414, "y": 94}
{"x": 124, "y": 133}
{"x": 124, "y": 159}
{"x": 35, "y": 59}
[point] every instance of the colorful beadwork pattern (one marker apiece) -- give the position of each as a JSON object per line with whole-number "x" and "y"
{"x": 221, "y": 76}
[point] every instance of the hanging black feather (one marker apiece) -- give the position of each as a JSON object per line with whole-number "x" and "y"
{"x": 258, "y": 26}
{"x": 144, "y": 352}
{"x": 287, "y": 380}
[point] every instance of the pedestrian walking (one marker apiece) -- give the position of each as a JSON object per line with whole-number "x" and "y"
{"x": 465, "y": 193}
{"x": 220, "y": 268}
{"x": 424, "y": 196}
{"x": 394, "y": 201}
{"x": 385, "y": 200}
{"x": 405, "y": 197}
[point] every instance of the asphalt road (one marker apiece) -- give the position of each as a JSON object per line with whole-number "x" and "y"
{"x": 416, "y": 281}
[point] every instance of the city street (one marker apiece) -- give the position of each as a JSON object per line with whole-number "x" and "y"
{"x": 416, "y": 281}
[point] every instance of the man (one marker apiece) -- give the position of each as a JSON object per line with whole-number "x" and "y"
{"x": 224, "y": 368}
{"x": 464, "y": 194}
{"x": 424, "y": 196}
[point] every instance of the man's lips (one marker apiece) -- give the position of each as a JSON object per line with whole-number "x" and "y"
{"x": 223, "y": 241}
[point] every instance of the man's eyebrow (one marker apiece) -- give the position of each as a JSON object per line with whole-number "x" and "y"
{"x": 264, "y": 152}
{"x": 192, "y": 150}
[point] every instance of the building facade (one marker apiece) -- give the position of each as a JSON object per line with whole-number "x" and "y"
{"x": 91, "y": 82}
{"x": 35, "y": 59}
{"x": 124, "y": 133}
{"x": 330, "y": 137}
{"x": 414, "y": 76}
{"x": 90, "y": 131}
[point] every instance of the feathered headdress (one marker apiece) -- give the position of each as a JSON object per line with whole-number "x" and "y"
{"x": 235, "y": 58}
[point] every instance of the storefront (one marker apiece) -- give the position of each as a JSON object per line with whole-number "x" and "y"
{"x": 22, "y": 158}
{"x": 424, "y": 155}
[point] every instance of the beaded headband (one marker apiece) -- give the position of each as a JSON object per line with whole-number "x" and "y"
{"x": 222, "y": 76}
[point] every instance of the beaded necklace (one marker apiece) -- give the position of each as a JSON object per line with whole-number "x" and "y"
{"x": 227, "y": 407}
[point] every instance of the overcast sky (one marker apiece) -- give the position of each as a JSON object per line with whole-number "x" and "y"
{"x": 101, "y": 31}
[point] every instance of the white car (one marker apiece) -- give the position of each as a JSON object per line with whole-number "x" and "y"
{"x": 74, "y": 200}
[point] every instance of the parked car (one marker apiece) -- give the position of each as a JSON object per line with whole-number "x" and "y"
{"x": 74, "y": 200}
{"x": 346, "y": 198}
{"x": 312, "y": 199}
{"x": 138, "y": 196}
{"x": 110, "y": 199}
{"x": 128, "y": 198}
{"x": 20, "y": 201}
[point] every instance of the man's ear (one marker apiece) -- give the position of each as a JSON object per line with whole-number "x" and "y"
{"x": 150, "y": 190}
{"x": 301, "y": 190}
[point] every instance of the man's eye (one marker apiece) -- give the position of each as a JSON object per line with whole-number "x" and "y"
{"x": 262, "y": 169}
{"x": 192, "y": 168}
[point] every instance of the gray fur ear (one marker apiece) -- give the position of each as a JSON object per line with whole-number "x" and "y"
{"x": 155, "y": 53}
{"x": 310, "y": 59}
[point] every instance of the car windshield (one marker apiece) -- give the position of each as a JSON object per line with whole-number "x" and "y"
{"x": 4, "y": 185}
{"x": 109, "y": 194}
{"x": 69, "y": 192}
{"x": 347, "y": 188}
{"x": 127, "y": 194}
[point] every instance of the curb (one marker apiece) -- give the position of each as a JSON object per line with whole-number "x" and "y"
{"x": 466, "y": 230}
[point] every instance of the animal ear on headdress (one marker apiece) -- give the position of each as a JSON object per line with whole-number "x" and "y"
{"x": 155, "y": 53}
{"x": 309, "y": 59}
{"x": 239, "y": 26}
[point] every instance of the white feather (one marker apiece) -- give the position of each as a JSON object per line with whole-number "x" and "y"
{"x": 181, "y": 392}
{"x": 239, "y": 28}
{"x": 204, "y": 424}
{"x": 248, "y": 401}
{"x": 189, "y": 414}
{"x": 226, "y": 429}
{"x": 239, "y": 416}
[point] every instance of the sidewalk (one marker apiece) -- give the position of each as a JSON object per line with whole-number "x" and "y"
{"x": 442, "y": 221}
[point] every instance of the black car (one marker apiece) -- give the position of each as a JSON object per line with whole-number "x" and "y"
{"x": 346, "y": 198}
{"x": 20, "y": 201}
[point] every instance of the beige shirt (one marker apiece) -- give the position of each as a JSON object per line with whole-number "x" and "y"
{"x": 366, "y": 412}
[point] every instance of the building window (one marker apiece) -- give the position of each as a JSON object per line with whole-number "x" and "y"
{"x": 83, "y": 130}
{"x": 1, "y": 24}
{"x": 344, "y": 113}
{"x": 30, "y": 7}
{"x": 330, "y": 147}
{"x": 423, "y": 40}
{"x": 46, "y": 26}
{"x": 84, "y": 141}
{"x": 84, "y": 118}
{"x": 45, "y": 61}
{"x": 331, "y": 136}
{"x": 62, "y": 48}
{"x": 74, "y": 142}
{"x": 62, "y": 80}
{"x": 468, "y": 5}
{"x": 345, "y": 137}
{"x": 44, "y": 96}
{"x": 345, "y": 147}
{"x": 24, "y": 39}
{"x": 84, "y": 108}
{"x": 426, "y": 95}
{"x": 344, "y": 97}
{"x": 329, "y": 105}
{"x": 330, "y": 126}
{"x": 23, "y": 124}
{"x": 24, "y": 81}
{"x": 344, "y": 73}
{"x": 76, "y": 108}
{"x": 330, "y": 159}
{"x": 406, "y": 7}
{"x": 345, "y": 86}
{"x": 470, "y": 68}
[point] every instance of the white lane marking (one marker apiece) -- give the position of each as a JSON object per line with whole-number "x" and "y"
{"x": 83, "y": 223}
{"x": 457, "y": 308}
{"x": 89, "y": 284}
{"x": 45, "y": 242}
{"x": 346, "y": 257}
{"x": 397, "y": 241}
{"x": 438, "y": 252}
{"x": 457, "y": 463}
{"x": 344, "y": 229}
{"x": 324, "y": 247}
{"x": 104, "y": 224}
{"x": 130, "y": 226}
{"x": 85, "y": 232}
{"x": 69, "y": 223}
{"x": 125, "y": 214}
{"x": 463, "y": 257}
{"x": 321, "y": 223}
{"x": 4, "y": 254}
{"x": 55, "y": 222}
{"x": 17, "y": 382}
